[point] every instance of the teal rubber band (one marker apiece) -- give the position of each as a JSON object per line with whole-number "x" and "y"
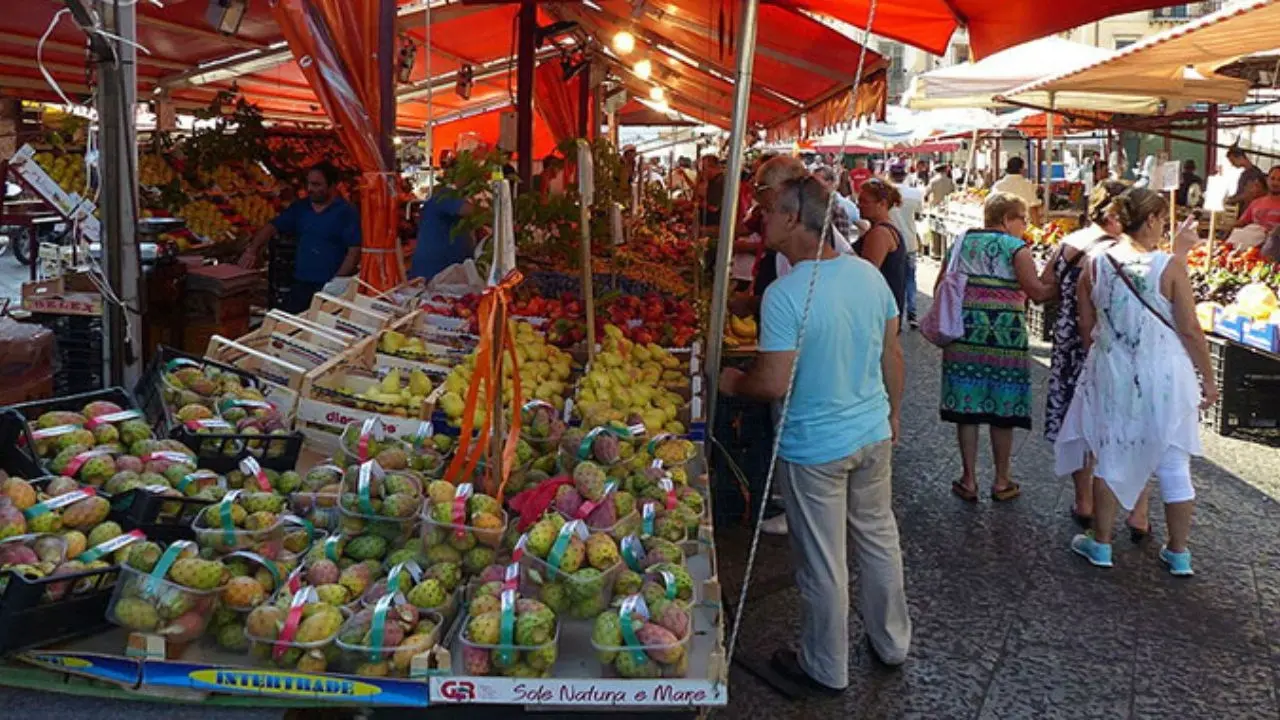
{"x": 166, "y": 560}
{"x": 378, "y": 630}
{"x": 363, "y": 489}
{"x": 648, "y": 513}
{"x": 557, "y": 550}
{"x": 224, "y": 513}
{"x": 331, "y": 548}
{"x": 629, "y": 637}
{"x": 507, "y": 628}
{"x": 630, "y": 546}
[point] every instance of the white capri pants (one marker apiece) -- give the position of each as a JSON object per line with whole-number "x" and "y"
{"x": 1174, "y": 474}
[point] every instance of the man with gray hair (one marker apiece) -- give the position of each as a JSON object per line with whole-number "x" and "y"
{"x": 770, "y": 176}
{"x": 835, "y": 454}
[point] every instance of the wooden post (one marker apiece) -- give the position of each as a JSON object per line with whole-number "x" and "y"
{"x": 588, "y": 291}
{"x": 1211, "y": 141}
{"x": 524, "y": 91}
{"x": 1213, "y": 231}
{"x": 584, "y": 228}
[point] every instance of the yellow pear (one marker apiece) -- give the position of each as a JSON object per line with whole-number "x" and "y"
{"x": 419, "y": 383}
{"x": 391, "y": 341}
{"x": 452, "y": 404}
{"x": 391, "y": 383}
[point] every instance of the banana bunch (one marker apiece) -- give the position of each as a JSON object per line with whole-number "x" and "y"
{"x": 205, "y": 219}
{"x": 66, "y": 170}
{"x": 740, "y": 331}
{"x": 255, "y": 210}
{"x": 227, "y": 179}
{"x": 153, "y": 170}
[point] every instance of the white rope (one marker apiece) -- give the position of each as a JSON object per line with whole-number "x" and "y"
{"x": 40, "y": 56}
{"x": 431, "y": 123}
{"x": 804, "y": 320}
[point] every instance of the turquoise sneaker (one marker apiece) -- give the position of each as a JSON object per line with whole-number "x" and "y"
{"x": 1179, "y": 562}
{"x": 1098, "y": 554}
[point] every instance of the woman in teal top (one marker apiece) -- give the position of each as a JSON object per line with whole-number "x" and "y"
{"x": 986, "y": 375}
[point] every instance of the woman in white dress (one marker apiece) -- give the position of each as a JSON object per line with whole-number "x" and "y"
{"x": 1135, "y": 408}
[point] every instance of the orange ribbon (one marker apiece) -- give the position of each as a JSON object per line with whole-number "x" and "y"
{"x": 470, "y": 449}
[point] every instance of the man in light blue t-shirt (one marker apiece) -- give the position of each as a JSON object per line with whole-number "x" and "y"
{"x": 836, "y": 449}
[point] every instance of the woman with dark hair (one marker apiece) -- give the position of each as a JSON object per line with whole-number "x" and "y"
{"x": 1135, "y": 407}
{"x": 1063, "y": 272}
{"x": 986, "y": 375}
{"x": 882, "y": 245}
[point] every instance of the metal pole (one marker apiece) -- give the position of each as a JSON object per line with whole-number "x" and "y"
{"x": 584, "y": 102}
{"x": 1048, "y": 159}
{"x": 729, "y": 202}
{"x": 118, "y": 85}
{"x": 1211, "y": 142}
{"x": 524, "y": 91}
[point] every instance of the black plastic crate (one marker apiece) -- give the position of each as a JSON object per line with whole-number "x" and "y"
{"x": 160, "y": 518}
{"x": 28, "y": 412}
{"x": 28, "y": 619}
{"x": 282, "y": 257}
{"x": 210, "y": 448}
{"x": 1040, "y": 321}
{"x": 78, "y": 355}
{"x": 1248, "y": 388}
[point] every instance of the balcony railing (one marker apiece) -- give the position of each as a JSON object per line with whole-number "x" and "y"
{"x": 1185, "y": 12}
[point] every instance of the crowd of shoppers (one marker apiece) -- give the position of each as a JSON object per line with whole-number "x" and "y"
{"x": 834, "y": 278}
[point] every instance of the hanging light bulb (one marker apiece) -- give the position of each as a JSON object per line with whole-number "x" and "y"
{"x": 624, "y": 42}
{"x": 656, "y": 94}
{"x": 644, "y": 69}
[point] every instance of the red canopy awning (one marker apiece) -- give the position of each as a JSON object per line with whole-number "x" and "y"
{"x": 800, "y": 64}
{"x": 993, "y": 25}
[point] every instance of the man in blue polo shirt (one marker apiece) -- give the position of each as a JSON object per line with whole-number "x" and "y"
{"x": 327, "y": 229}
{"x": 440, "y": 244}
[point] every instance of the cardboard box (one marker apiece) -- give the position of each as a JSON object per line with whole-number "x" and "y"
{"x": 26, "y": 362}
{"x": 1262, "y": 335}
{"x": 1230, "y": 327}
{"x": 70, "y": 294}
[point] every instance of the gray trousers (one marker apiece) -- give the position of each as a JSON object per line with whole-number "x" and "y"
{"x": 821, "y": 500}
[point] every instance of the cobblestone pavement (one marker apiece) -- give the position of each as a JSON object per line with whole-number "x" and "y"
{"x": 1009, "y": 624}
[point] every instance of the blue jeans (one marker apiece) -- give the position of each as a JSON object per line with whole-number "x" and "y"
{"x": 910, "y": 300}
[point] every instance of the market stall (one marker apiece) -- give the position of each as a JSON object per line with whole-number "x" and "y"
{"x": 430, "y": 493}
{"x": 1235, "y": 284}
{"x": 309, "y": 518}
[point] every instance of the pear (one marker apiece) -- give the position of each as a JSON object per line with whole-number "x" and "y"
{"x": 391, "y": 383}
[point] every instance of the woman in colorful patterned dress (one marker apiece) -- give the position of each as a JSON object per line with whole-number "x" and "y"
{"x": 1063, "y": 271}
{"x": 986, "y": 375}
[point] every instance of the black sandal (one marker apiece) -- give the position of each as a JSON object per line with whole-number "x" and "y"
{"x": 1006, "y": 493}
{"x": 1137, "y": 535}
{"x": 967, "y": 494}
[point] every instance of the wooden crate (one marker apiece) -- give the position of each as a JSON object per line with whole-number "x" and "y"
{"x": 396, "y": 302}
{"x": 296, "y": 340}
{"x": 348, "y": 317}
{"x": 322, "y": 418}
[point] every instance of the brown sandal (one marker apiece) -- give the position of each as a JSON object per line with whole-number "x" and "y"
{"x": 1006, "y": 493}
{"x": 969, "y": 495}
